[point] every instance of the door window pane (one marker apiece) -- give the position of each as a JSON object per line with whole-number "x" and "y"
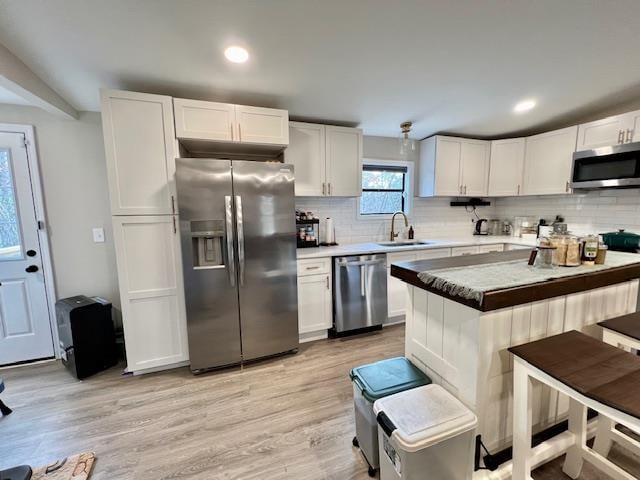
{"x": 10, "y": 245}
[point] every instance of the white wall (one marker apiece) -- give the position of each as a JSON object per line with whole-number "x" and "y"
{"x": 73, "y": 170}
{"x": 430, "y": 217}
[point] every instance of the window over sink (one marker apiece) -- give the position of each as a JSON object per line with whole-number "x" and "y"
{"x": 385, "y": 187}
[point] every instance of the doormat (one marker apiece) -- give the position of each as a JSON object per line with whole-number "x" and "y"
{"x": 76, "y": 467}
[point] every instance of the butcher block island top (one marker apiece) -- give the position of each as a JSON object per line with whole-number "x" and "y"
{"x": 618, "y": 268}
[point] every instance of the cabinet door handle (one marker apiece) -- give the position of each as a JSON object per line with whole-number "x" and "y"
{"x": 239, "y": 132}
{"x": 231, "y": 128}
{"x": 312, "y": 268}
{"x": 621, "y": 136}
{"x": 460, "y": 189}
{"x": 328, "y": 287}
{"x": 329, "y": 188}
{"x": 518, "y": 189}
{"x": 175, "y": 230}
{"x": 465, "y": 189}
{"x": 173, "y": 205}
{"x": 323, "y": 188}
{"x": 34, "y": 269}
{"x": 567, "y": 187}
{"x": 629, "y": 135}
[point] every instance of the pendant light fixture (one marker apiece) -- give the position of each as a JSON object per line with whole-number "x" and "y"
{"x": 407, "y": 145}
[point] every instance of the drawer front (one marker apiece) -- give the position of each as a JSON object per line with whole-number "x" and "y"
{"x": 435, "y": 253}
{"x": 498, "y": 247}
{"x": 400, "y": 257}
{"x": 314, "y": 266}
{"x": 457, "y": 251}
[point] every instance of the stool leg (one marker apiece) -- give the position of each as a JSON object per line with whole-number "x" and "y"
{"x": 522, "y": 419}
{"x": 4, "y": 409}
{"x": 578, "y": 427}
{"x": 603, "y": 441}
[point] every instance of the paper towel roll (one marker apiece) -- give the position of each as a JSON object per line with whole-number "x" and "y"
{"x": 329, "y": 231}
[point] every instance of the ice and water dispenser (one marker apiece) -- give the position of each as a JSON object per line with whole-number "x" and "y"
{"x": 208, "y": 238}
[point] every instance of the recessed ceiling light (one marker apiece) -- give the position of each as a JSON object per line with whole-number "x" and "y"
{"x": 524, "y": 106}
{"x": 236, "y": 54}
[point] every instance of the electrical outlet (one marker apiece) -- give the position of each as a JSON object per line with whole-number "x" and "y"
{"x": 98, "y": 235}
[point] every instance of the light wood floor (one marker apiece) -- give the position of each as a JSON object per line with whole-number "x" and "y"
{"x": 288, "y": 418}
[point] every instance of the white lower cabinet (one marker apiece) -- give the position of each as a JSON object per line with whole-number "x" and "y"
{"x": 459, "y": 251}
{"x": 315, "y": 313}
{"x": 396, "y": 288}
{"x": 151, "y": 291}
{"x": 498, "y": 247}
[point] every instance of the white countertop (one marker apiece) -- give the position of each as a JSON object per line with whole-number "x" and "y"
{"x": 373, "y": 247}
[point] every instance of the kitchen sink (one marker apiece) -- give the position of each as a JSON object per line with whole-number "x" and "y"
{"x": 404, "y": 243}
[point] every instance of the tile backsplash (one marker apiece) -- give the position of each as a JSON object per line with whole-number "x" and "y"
{"x": 591, "y": 212}
{"x": 595, "y": 211}
{"x": 430, "y": 217}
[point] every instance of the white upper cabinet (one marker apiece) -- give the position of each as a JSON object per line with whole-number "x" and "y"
{"x": 609, "y": 131}
{"x": 506, "y": 167}
{"x": 451, "y": 166}
{"x": 327, "y": 159}
{"x": 224, "y": 122}
{"x": 200, "y": 120}
{"x": 139, "y": 147}
{"x": 548, "y": 161}
{"x": 474, "y": 167}
{"x": 266, "y": 126}
{"x": 344, "y": 161}
{"x": 306, "y": 153}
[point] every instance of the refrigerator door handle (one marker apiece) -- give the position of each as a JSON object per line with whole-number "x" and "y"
{"x": 240, "y": 229}
{"x": 229, "y": 234}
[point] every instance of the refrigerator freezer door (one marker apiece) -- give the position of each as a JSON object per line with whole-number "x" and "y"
{"x": 265, "y": 224}
{"x": 207, "y": 231}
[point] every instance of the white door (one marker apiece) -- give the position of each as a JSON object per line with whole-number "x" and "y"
{"x": 25, "y": 330}
{"x": 200, "y": 120}
{"x": 262, "y": 125}
{"x": 151, "y": 290}
{"x": 396, "y": 288}
{"x": 314, "y": 303}
{"x": 447, "y": 182}
{"x": 548, "y": 161}
{"x": 506, "y": 167}
{"x": 306, "y": 153}
{"x": 601, "y": 133}
{"x": 474, "y": 167}
{"x": 344, "y": 161}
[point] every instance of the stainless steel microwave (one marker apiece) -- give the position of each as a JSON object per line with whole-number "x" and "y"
{"x": 617, "y": 166}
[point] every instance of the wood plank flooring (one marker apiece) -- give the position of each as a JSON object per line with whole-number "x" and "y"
{"x": 287, "y": 418}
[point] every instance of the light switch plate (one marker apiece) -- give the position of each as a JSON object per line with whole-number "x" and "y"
{"x": 98, "y": 235}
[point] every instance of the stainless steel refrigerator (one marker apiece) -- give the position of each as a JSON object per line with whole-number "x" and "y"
{"x": 237, "y": 228}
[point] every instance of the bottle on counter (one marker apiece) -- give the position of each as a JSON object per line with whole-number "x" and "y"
{"x": 590, "y": 250}
{"x": 411, "y": 232}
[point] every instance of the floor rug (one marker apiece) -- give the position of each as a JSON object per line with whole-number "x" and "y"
{"x": 75, "y": 467}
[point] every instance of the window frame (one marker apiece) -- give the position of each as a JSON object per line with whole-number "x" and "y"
{"x": 408, "y": 187}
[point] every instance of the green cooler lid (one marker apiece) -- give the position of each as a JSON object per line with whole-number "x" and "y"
{"x": 386, "y": 377}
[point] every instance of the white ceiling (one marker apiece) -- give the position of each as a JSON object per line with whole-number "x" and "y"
{"x": 454, "y": 66}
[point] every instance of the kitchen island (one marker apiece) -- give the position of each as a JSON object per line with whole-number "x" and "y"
{"x": 461, "y": 341}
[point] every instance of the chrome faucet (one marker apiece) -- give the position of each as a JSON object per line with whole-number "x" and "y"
{"x": 393, "y": 235}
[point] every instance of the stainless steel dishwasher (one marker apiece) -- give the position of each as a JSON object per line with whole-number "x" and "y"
{"x": 360, "y": 292}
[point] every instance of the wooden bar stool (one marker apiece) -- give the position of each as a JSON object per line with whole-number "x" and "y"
{"x": 622, "y": 332}
{"x": 593, "y": 375}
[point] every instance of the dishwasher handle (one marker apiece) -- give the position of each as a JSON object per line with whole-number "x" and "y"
{"x": 344, "y": 263}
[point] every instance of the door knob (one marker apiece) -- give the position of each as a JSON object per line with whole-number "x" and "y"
{"x": 31, "y": 253}
{"x": 31, "y": 269}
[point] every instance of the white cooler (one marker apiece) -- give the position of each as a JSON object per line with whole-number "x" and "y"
{"x": 425, "y": 434}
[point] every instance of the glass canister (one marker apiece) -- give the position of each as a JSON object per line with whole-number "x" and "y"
{"x": 574, "y": 251}
{"x": 560, "y": 252}
{"x": 544, "y": 259}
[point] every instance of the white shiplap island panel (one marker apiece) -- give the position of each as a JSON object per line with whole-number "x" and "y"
{"x": 465, "y": 349}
